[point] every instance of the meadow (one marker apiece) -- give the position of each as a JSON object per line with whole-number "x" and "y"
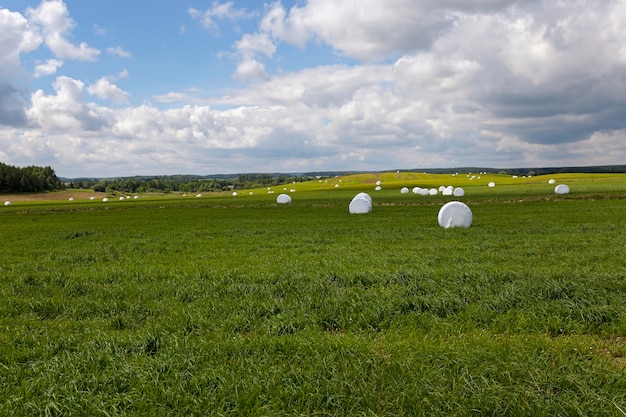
{"x": 237, "y": 306}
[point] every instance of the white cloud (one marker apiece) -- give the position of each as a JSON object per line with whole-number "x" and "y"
{"x": 104, "y": 89}
{"x": 17, "y": 37}
{"x": 368, "y": 30}
{"x": 47, "y": 68}
{"x": 53, "y": 18}
{"x": 251, "y": 69}
{"x": 249, "y": 45}
{"x": 119, "y": 51}
{"x": 100, "y": 31}
{"x": 218, "y": 11}
{"x": 66, "y": 110}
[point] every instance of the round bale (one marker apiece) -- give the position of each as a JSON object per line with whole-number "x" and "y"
{"x": 283, "y": 199}
{"x": 360, "y": 204}
{"x": 561, "y": 189}
{"x": 455, "y": 214}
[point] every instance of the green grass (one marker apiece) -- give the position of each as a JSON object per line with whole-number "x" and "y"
{"x": 238, "y": 306}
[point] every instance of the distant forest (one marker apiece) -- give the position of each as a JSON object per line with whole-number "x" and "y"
{"x": 183, "y": 183}
{"x": 28, "y": 179}
{"x": 37, "y": 179}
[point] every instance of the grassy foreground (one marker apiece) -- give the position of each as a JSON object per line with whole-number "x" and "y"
{"x": 239, "y": 306}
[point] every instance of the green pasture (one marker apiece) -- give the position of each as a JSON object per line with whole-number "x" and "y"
{"x": 237, "y": 306}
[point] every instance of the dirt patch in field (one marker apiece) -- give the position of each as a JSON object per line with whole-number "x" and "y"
{"x": 51, "y": 196}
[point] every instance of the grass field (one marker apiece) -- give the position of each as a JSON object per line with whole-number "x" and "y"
{"x": 224, "y": 305}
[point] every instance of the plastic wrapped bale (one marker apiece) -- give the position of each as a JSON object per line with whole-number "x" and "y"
{"x": 492, "y": 184}
{"x": 404, "y": 190}
{"x": 363, "y": 195}
{"x": 458, "y": 192}
{"x": 561, "y": 189}
{"x": 448, "y": 190}
{"x": 416, "y": 190}
{"x": 360, "y": 204}
{"x": 283, "y": 199}
{"x": 424, "y": 191}
{"x": 7, "y": 203}
{"x": 551, "y": 181}
{"x": 455, "y": 214}
{"x": 433, "y": 191}
{"x": 105, "y": 200}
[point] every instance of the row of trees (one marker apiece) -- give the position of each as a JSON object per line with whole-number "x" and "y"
{"x": 183, "y": 183}
{"x": 28, "y": 179}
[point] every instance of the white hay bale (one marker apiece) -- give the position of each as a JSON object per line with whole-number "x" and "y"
{"x": 7, "y": 203}
{"x": 360, "y": 204}
{"x": 363, "y": 195}
{"x": 137, "y": 197}
{"x": 404, "y": 190}
{"x": 235, "y": 193}
{"x": 492, "y": 184}
{"x": 283, "y": 199}
{"x": 448, "y": 190}
{"x": 336, "y": 185}
{"x": 561, "y": 189}
{"x": 378, "y": 188}
{"x": 417, "y": 190}
{"x": 378, "y": 182}
{"x": 92, "y": 198}
{"x": 424, "y": 191}
{"x": 551, "y": 181}
{"x": 105, "y": 200}
{"x": 71, "y": 199}
{"x": 121, "y": 198}
{"x": 441, "y": 188}
{"x": 455, "y": 214}
{"x": 198, "y": 195}
{"x": 458, "y": 192}
{"x": 433, "y": 191}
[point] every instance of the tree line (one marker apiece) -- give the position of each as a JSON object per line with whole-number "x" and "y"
{"x": 28, "y": 179}
{"x": 182, "y": 183}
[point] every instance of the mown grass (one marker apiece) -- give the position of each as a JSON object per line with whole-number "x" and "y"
{"x": 240, "y": 306}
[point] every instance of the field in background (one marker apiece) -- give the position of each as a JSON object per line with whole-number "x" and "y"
{"x": 234, "y": 305}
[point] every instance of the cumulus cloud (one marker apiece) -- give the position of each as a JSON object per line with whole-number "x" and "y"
{"x": 53, "y": 18}
{"x": 17, "y": 36}
{"x": 66, "y": 110}
{"x": 368, "y": 30}
{"x": 119, "y": 51}
{"x": 48, "y": 67}
{"x": 218, "y": 11}
{"x": 104, "y": 89}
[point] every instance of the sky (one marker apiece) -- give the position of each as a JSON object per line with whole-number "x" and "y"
{"x": 107, "y": 88}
